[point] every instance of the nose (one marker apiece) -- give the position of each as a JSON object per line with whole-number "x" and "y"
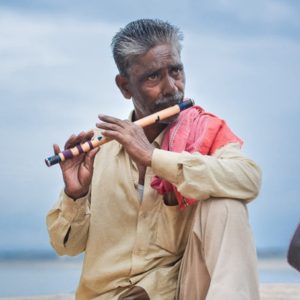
{"x": 169, "y": 86}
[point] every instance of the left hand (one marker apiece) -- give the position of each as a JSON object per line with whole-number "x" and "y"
{"x": 130, "y": 135}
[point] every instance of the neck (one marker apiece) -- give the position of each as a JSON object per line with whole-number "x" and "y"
{"x": 153, "y": 131}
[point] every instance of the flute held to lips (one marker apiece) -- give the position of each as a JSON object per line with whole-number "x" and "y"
{"x": 99, "y": 140}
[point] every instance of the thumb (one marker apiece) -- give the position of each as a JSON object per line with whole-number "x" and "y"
{"x": 90, "y": 157}
{"x": 56, "y": 149}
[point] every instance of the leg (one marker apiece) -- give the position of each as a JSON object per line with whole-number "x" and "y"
{"x": 135, "y": 293}
{"x": 220, "y": 258}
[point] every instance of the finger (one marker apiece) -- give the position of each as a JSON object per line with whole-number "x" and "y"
{"x": 109, "y": 126}
{"x": 91, "y": 155}
{"x": 110, "y": 119}
{"x": 93, "y": 152}
{"x": 70, "y": 142}
{"x": 76, "y": 139}
{"x": 83, "y": 137}
{"x": 56, "y": 149}
{"x": 89, "y": 135}
{"x": 115, "y": 135}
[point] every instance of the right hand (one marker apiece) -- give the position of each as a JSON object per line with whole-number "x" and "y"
{"x": 77, "y": 171}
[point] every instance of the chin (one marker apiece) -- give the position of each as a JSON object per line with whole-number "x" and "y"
{"x": 169, "y": 120}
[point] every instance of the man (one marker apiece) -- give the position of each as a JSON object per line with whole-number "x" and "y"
{"x": 119, "y": 204}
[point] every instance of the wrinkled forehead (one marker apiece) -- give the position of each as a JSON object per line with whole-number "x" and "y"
{"x": 156, "y": 58}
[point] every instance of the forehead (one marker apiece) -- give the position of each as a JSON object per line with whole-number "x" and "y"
{"x": 158, "y": 57}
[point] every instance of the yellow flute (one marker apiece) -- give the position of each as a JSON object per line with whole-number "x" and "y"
{"x": 100, "y": 140}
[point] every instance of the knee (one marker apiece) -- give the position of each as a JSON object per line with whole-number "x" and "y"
{"x": 225, "y": 222}
{"x": 224, "y": 206}
{"x": 223, "y": 211}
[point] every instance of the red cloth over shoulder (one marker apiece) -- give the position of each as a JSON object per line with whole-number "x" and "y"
{"x": 194, "y": 131}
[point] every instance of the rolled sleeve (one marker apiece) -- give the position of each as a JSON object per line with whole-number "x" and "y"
{"x": 74, "y": 209}
{"x": 165, "y": 164}
{"x": 225, "y": 174}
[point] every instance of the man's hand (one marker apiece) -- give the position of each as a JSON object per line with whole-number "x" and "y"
{"x": 130, "y": 135}
{"x": 77, "y": 171}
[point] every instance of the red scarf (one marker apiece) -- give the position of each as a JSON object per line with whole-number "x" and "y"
{"x": 193, "y": 131}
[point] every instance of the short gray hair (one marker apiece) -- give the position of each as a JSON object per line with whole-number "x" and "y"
{"x": 140, "y": 36}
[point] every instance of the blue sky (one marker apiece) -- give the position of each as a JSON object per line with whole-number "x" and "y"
{"x": 242, "y": 62}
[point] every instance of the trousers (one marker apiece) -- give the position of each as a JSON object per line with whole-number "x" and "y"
{"x": 219, "y": 261}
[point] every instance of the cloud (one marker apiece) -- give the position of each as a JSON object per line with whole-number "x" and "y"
{"x": 268, "y": 12}
{"x": 32, "y": 41}
{"x": 269, "y": 17}
{"x": 57, "y": 74}
{"x": 53, "y": 65}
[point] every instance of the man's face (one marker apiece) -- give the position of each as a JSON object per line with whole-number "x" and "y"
{"x": 156, "y": 80}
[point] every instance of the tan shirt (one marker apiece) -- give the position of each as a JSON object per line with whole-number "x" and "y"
{"x": 128, "y": 241}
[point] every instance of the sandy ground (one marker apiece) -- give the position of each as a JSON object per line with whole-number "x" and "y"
{"x": 289, "y": 290}
{"x": 269, "y": 291}
{"x": 280, "y": 291}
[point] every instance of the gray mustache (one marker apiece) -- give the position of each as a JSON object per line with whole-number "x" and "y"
{"x": 169, "y": 101}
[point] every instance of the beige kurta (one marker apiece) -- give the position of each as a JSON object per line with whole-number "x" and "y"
{"x": 131, "y": 242}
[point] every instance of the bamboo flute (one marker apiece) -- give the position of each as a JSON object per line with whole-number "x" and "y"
{"x": 100, "y": 140}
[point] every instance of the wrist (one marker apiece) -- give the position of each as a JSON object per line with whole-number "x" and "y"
{"x": 149, "y": 157}
{"x": 75, "y": 195}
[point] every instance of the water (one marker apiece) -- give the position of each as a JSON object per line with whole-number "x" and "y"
{"x": 38, "y": 277}
{"x": 30, "y": 277}
{"x": 277, "y": 270}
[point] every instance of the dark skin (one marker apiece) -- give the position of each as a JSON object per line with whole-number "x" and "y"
{"x": 154, "y": 81}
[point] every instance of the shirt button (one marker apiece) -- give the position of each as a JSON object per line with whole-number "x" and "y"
{"x": 144, "y": 215}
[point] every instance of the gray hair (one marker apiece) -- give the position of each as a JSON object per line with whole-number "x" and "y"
{"x": 140, "y": 36}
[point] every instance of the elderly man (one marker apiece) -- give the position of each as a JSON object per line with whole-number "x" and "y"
{"x": 159, "y": 212}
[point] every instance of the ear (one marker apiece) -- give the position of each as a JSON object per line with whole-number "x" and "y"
{"x": 123, "y": 83}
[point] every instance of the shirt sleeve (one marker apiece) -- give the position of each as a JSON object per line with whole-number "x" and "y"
{"x": 225, "y": 174}
{"x": 68, "y": 224}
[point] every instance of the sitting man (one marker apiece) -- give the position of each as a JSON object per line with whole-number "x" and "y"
{"x": 160, "y": 212}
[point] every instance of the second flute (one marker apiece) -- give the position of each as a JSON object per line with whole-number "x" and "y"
{"x": 99, "y": 140}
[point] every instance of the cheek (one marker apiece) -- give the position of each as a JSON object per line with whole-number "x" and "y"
{"x": 152, "y": 92}
{"x": 181, "y": 82}
{"x": 181, "y": 85}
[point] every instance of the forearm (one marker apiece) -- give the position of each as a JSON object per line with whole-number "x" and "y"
{"x": 68, "y": 225}
{"x": 226, "y": 174}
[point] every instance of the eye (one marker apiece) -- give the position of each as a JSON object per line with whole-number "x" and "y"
{"x": 153, "y": 77}
{"x": 176, "y": 70}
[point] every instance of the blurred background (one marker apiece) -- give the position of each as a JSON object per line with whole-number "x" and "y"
{"x": 242, "y": 63}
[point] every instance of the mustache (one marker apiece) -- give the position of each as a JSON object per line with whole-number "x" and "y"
{"x": 165, "y": 102}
